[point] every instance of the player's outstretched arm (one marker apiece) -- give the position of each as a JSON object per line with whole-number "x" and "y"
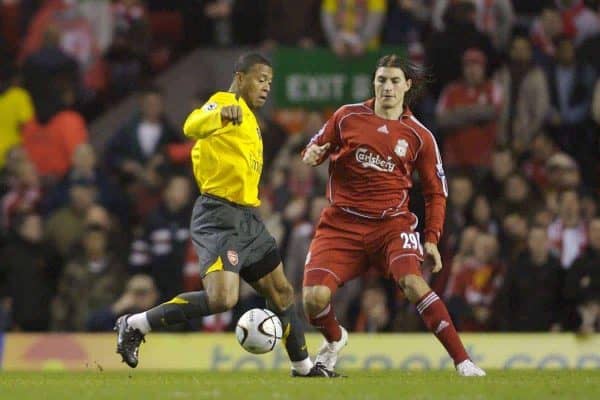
{"x": 212, "y": 116}
{"x": 313, "y": 155}
{"x": 203, "y": 121}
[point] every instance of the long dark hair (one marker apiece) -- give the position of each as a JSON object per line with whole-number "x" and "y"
{"x": 419, "y": 75}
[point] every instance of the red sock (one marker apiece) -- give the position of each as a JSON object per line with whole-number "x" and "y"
{"x": 436, "y": 318}
{"x": 327, "y": 324}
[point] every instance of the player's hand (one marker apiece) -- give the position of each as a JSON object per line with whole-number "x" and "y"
{"x": 231, "y": 114}
{"x": 433, "y": 255}
{"x": 313, "y": 153}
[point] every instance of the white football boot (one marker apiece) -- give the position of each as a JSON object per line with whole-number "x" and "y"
{"x": 328, "y": 353}
{"x": 468, "y": 368}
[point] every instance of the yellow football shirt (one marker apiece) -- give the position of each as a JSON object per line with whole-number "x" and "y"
{"x": 227, "y": 159}
{"x": 349, "y": 14}
{"x": 16, "y": 108}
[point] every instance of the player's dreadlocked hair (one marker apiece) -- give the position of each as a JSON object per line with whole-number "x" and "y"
{"x": 419, "y": 75}
{"x": 248, "y": 60}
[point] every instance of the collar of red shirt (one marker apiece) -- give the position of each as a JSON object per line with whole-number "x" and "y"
{"x": 405, "y": 114}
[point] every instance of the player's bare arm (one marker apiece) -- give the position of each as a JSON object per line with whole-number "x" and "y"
{"x": 314, "y": 153}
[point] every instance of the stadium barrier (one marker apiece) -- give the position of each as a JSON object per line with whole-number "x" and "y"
{"x": 221, "y": 352}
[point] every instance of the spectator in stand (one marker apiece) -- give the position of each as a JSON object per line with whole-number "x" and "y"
{"x": 461, "y": 193}
{"x": 475, "y": 286}
{"x": 373, "y": 314}
{"x": 209, "y": 22}
{"x": 352, "y": 27}
{"x": 563, "y": 172}
{"x": 135, "y": 151}
{"x": 545, "y": 31}
{"x": 568, "y": 233}
{"x": 542, "y": 218}
{"x": 406, "y": 20}
{"x": 129, "y": 49}
{"x": 527, "y": 97}
{"x": 579, "y": 21}
{"x": 49, "y": 72}
{"x": 503, "y": 165}
{"x": 140, "y": 294}
{"x": 582, "y": 285}
{"x": 92, "y": 279}
{"x": 28, "y": 274}
{"x": 479, "y": 215}
{"x": 313, "y": 121}
{"x": 461, "y": 255}
{"x": 50, "y": 143}
{"x": 65, "y": 226}
{"x": 24, "y": 196}
{"x": 531, "y": 296}
{"x": 445, "y": 48}
{"x": 292, "y": 24}
{"x": 295, "y": 182}
{"x": 495, "y": 18}
{"x": 161, "y": 248}
{"x": 541, "y": 149}
{"x": 16, "y": 109}
{"x": 514, "y": 237}
{"x": 516, "y": 197}
{"x": 467, "y": 113}
{"x": 571, "y": 87}
{"x": 77, "y": 37}
{"x": 85, "y": 167}
{"x": 299, "y": 243}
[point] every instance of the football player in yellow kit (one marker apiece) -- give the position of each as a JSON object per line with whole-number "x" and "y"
{"x": 229, "y": 237}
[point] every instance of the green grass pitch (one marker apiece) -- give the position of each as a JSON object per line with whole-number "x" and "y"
{"x": 243, "y": 385}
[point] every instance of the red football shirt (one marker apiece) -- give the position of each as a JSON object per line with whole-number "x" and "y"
{"x": 372, "y": 161}
{"x": 470, "y": 145}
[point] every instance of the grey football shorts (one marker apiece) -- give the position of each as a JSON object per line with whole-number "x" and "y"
{"x": 233, "y": 238}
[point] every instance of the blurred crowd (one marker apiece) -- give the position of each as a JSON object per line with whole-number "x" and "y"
{"x": 88, "y": 234}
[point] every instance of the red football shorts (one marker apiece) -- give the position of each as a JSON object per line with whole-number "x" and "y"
{"x": 346, "y": 245}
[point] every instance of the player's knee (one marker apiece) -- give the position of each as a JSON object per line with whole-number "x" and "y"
{"x": 412, "y": 285}
{"x": 284, "y": 297}
{"x": 315, "y": 299}
{"x": 222, "y": 300}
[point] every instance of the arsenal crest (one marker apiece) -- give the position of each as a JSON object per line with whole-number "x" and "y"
{"x": 232, "y": 256}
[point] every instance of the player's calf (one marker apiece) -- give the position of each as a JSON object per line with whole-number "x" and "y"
{"x": 434, "y": 315}
{"x": 318, "y": 308}
{"x": 317, "y": 304}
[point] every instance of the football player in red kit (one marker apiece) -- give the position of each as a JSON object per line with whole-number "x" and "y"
{"x": 374, "y": 147}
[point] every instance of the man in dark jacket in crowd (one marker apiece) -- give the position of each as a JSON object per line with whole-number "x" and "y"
{"x": 583, "y": 281}
{"x": 530, "y": 299}
{"x": 28, "y": 274}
